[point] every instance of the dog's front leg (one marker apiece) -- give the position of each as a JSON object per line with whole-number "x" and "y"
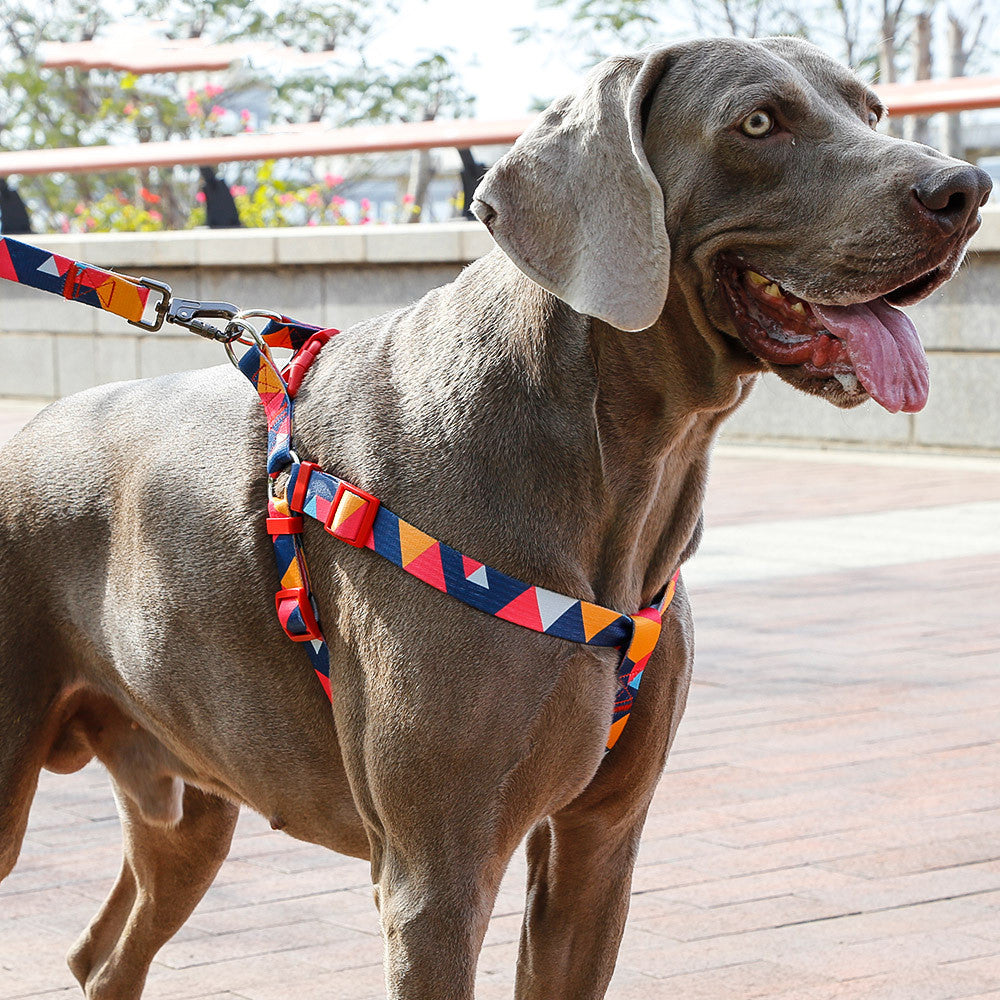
{"x": 580, "y": 859}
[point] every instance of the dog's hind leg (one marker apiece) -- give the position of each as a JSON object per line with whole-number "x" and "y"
{"x": 28, "y": 696}
{"x": 165, "y": 872}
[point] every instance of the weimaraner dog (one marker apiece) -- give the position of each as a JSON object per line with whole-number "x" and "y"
{"x": 698, "y": 214}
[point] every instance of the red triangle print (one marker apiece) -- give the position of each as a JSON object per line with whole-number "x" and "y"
{"x": 427, "y": 567}
{"x": 6, "y": 264}
{"x": 469, "y": 566}
{"x": 349, "y": 527}
{"x": 523, "y": 610}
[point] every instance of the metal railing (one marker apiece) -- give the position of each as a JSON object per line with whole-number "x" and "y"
{"x": 923, "y": 98}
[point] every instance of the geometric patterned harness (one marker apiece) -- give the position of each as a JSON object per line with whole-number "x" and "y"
{"x": 359, "y": 519}
{"x": 347, "y": 512}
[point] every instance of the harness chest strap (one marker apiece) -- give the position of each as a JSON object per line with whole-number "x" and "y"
{"x": 358, "y": 518}
{"x": 347, "y": 512}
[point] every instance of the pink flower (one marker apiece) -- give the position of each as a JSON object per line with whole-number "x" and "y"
{"x": 338, "y": 201}
{"x": 156, "y": 217}
{"x": 193, "y": 108}
{"x": 237, "y": 189}
{"x": 192, "y": 95}
{"x": 311, "y": 222}
{"x": 244, "y": 116}
{"x": 286, "y": 199}
{"x": 313, "y": 197}
{"x": 65, "y": 225}
{"x": 213, "y": 90}
{"x": 365, "y": 204}
{"x": 129, "y": 109}
{"x": 407, "y": 199}
{"x": 200, "y": 197}
{"x": 91, "y": 223}
{"x": 217, "y": 111}
{"x": 365, "y": 220}
{"x": 332, "y": 180}
{"x": 80, "y": 208}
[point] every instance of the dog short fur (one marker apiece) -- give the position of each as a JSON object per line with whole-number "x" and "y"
{"x": 550, "y": 413}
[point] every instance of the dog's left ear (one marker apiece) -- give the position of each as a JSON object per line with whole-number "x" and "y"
{"x": 575, "y": 204}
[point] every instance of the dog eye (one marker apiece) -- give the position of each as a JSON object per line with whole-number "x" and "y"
{"x": 757, "y": 124}
{"x": 873, "y": 119}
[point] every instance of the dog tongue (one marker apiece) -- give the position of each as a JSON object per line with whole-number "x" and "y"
{"x": 885, "y": 351}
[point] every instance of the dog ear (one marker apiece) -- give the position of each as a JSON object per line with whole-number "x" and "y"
{"x": 575, "y": 204}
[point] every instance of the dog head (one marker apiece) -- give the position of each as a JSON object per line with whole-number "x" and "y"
{"x": 750, "y": 172}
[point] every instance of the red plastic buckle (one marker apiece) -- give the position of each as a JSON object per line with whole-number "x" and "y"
{"x": 302, "y": 361}
{"x": 352, "y": 515}
{"x": 284, "y": 525}
{"x": 301, "y": 598}
{"x": 298, "y": 498}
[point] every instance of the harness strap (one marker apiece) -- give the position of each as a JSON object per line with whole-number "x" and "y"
{"x": 358, "y": 518}
{"x": 346, "y": 511}
{"x": 51, "y": 272}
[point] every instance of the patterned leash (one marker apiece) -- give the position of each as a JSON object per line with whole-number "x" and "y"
{"x": 346, "y": 511}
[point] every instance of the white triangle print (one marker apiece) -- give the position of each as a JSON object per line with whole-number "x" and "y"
{"x": 552, "y": 606}
{"x": 50, "y": 267}
{"x": 316, "y": 644}
{"x": 479, "y": 577}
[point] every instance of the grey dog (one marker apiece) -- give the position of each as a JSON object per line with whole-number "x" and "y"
{"x": 728, "y": 202}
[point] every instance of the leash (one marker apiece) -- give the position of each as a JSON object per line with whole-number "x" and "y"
{"x": 346, "y": 511}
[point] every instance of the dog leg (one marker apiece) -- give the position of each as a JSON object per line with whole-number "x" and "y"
{"x": 580, "y": 859}
{"x": 434, "y": 915}
{"x": 165, "y": 872}
{"x": 579, "y": 878}
{"x": 28, "y": 722}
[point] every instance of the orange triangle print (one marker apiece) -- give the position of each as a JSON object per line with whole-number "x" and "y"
{"x": 412, "y": 542}
{"x": 596, "y": 618}
{"x": 644, "y": 638}
{"x": 267, "y": 381}
{"x": 292, "y": 577}
{"x": 349, "y": 504}
{"x": 616, "y": 731}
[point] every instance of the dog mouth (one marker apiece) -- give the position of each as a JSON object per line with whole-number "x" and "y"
{"x": 847, "y": 353}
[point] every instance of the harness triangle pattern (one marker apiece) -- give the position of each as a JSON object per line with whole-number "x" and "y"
{"x": 358, "y": 518}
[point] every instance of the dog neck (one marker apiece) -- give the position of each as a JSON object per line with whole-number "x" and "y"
{"x": 644, "y": 408}
{"x": 527, "y": 435}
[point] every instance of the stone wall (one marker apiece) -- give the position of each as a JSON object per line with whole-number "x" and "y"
{"x": 340, "y": 275}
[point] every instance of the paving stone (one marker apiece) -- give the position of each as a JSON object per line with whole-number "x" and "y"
{"x": 828, "y": 827}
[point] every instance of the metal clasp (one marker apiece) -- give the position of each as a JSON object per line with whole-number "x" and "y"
{"x": 189, "y": 313}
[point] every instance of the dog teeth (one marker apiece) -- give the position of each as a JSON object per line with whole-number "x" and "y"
{"x": 799, "y": 308}
{"x": 756, "y": 279}
{"x": 774, "y": 291}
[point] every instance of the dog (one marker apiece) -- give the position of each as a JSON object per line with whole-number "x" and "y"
{"x": 696, "y": 215}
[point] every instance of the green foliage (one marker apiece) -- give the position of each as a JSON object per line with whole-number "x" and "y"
{"x": 45, "y": 108}
{"x": 267, "y": 201}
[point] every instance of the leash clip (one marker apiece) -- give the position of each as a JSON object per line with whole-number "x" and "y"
{"x": 189, "y": 313}
{"x": 161, "y": 308}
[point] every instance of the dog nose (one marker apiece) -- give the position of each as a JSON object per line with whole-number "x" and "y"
{"x": 953, "y": 196}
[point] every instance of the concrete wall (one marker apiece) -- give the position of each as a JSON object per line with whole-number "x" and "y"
{"x": 337, "y": 276}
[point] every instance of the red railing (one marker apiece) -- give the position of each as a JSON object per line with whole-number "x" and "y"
{"x": 925, "y": 97}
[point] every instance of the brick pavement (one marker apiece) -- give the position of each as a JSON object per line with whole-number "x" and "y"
{"x": 829, "y": 825}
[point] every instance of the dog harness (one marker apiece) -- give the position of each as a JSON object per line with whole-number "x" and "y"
{"x": 346, "y": 511}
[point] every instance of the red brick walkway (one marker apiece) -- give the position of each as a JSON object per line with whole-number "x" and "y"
{"x": 829, "y": 825}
